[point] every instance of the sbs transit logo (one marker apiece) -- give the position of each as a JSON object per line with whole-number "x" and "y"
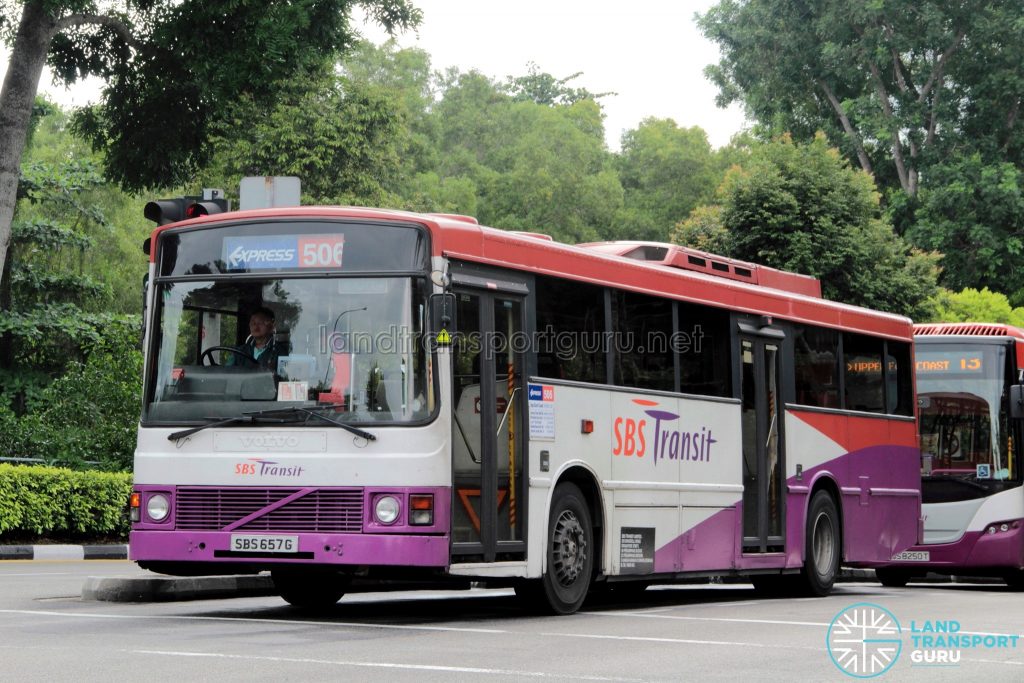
{"x": 864, "y": 640}
{"x": 665, "y": 432}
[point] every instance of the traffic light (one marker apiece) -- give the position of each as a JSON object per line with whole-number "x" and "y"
{"x": 164, "y": 211}
{"x": 207, "y": 207}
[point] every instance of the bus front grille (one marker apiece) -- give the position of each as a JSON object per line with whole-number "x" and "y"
{"x": 202, "y": 508}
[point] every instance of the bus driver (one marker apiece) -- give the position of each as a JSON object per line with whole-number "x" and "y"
{"x": 260, "y": 349}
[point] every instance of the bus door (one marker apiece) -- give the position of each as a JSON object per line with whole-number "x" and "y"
{"x": 488, "y": 425}
{"x": 762, "y": 421}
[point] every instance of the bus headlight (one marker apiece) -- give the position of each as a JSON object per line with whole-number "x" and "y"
{"x": 386, "y": 510}
{"x": 158, "y": 506}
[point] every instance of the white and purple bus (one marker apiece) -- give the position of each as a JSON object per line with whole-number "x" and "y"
{"x": 453, "y": 402}
{"x": 969, "y": 396}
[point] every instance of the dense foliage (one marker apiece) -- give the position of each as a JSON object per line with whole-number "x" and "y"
{"x": 62, "y": 504}
{"x": 802, "y": 208}
{"x": 926, "y": 96}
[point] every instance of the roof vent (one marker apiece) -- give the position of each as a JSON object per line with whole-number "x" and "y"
{"x": 964, "y": 329}
{"x": 456, "y": 217}
{"x": 685, "y": 258}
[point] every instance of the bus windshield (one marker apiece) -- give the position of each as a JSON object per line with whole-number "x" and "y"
{"x": 962, "y": 392}
{"x": 225, "y": 347}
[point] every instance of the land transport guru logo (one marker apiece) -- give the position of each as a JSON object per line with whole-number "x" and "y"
{"x": 865, "y": 640}
{"x": 664, "y": 432}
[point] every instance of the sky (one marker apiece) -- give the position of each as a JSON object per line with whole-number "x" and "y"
{"x": 649, "y": 52}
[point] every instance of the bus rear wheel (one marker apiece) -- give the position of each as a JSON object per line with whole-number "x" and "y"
{"x": 310, "y": 591}
{"x": 570, "y": 555}
{"x": 892, "y": 577}
{"x": 823, "y": 548}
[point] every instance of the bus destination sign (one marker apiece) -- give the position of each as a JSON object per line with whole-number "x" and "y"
{"x": 283, "y": 252}
{"x": 949, "y": 362}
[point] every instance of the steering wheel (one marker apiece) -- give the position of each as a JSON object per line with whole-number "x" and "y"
{"x": 208, "y": 354}
{"x": 952, "y": 445}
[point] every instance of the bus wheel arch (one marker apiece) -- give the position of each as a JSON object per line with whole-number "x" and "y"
{"x": 588, "y": 485}
{"x": 572, "y": 544}
{"x": 823, "y": 539}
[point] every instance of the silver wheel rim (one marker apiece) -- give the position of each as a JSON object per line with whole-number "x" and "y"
{"x": 823, "y": 544}
{"x": 569, "y": 548}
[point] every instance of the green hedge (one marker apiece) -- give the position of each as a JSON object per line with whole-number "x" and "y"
{"x": 63, "y": 504}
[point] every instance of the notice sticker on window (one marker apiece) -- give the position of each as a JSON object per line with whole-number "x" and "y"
{"x": 293, "y": 391}
{"x": 542, "y": 411}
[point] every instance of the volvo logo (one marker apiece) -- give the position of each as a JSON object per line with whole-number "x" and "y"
{"x": 269, "y": 440}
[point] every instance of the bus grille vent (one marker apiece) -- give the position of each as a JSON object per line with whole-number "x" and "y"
{"x": 322, "y": 510}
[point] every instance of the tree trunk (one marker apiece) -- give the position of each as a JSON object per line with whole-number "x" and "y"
{"x": 28, "y": 57}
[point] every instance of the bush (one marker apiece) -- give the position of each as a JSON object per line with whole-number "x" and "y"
{"x": 63, "y": 504}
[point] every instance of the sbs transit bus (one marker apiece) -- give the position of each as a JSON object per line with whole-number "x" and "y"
{"x": 969, "y": 399}
{"x": 456, "y": 402}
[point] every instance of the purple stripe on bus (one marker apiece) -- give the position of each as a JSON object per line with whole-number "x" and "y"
{"x": 715, "y": 543}
{"x": 976, "y": 549}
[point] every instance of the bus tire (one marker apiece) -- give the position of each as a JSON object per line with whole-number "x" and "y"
{"x": 822, "y": 546}
{"x": 570, "y": 551}
{"x": 309, "y": 591}
{"x": 891, "y": 577}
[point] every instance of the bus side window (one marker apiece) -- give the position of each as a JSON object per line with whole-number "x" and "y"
{"x": 702, "y": 345}
{"x": 643, "y": 330}
{"x": 570, "y": 319}
{"x": 898, "y": 394}
{"x": 816, "y": 354}
{"x": 864, "y": 383}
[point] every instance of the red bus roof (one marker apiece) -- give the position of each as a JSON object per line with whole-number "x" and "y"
{"x": 460, "y": 237}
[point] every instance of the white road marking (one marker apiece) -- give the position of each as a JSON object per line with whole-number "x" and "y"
{"x": 680, "y": 641}
{"x": 386, "y": 665}
{"x": 300, "y": 622}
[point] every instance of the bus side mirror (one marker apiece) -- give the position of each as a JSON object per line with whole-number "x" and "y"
{"x": 1017, "y": 401}
{"x": 442, "y": 316}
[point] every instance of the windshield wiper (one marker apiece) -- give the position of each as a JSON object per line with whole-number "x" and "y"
{"x": 264, "y": 416}
{"x": 247, "y": 417}
{"x": 314, "y": 412}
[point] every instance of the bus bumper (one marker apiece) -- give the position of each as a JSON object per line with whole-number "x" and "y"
{"x": 340, "y": 550}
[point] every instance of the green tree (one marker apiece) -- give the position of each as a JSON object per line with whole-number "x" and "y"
{"x": 972, "y": 305}
{"x": 895, "y": 85}
{"x": 537, "y": 167}
{"x": 406, "y": 78}
{"x": 973, "y": 212}
{"x": 800, "y": 207}
{"x": 172, "y": 69}
{"x": 542, "y": 88}
{"x": 55, "y": 302}
{"x": 342, "y": 138}
{"x": 666, "y": 172}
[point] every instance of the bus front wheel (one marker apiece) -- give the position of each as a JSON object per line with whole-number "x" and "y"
{"x": 823, "y": 546}
{"x": 309, "y": 590}
{"x": 570, "y": 555}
